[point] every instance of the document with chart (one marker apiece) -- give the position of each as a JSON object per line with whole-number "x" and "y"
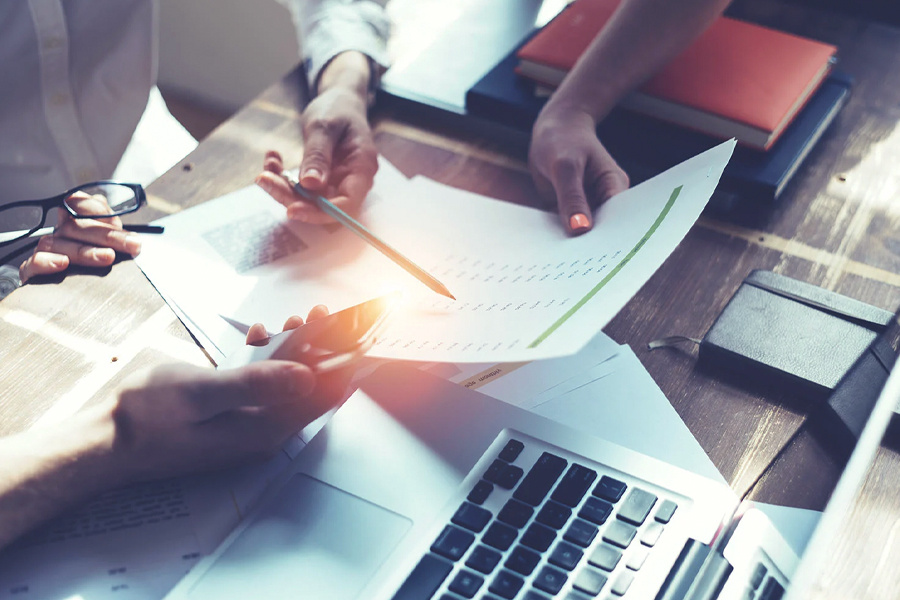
{"x": 524, "y": 289}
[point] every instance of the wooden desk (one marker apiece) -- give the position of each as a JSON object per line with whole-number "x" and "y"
{"x": 67, "y": 344}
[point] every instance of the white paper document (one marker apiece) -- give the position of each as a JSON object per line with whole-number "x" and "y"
{"x": 524, "y": 290}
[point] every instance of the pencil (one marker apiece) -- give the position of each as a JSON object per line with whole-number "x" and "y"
{"x": 359, "y": 229}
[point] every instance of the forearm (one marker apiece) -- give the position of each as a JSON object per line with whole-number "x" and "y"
{"x": 348, "y": 71}
{"x": 44, "y": 471}
{"x": 638, "y": 40}
{"x": 328, "y": 28}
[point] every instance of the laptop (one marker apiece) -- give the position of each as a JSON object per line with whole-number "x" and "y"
{"x": 419, "y": 488}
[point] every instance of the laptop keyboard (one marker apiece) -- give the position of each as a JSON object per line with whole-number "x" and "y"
{"x": 547, "y": 528}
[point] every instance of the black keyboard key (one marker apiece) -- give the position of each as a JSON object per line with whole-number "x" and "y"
{"x": 574, "y": 485}
{"x": 553, "y": 514}
{"x": 538, "y": 536}
{"x": 425, "y": 579}
{"x": 759, "y": 573}
{"x": 480, "y": 491}
{"x": 506, "y": 584}
{"x": 453, "y": 542}
{"x": 511, "y": 451}
{"x": 473, "y": 518}
{"x": 515, "y": 513}
{"x": 595, "y": 510}
{"x": 565, "y": 556}
{"x": 500, "y": 536}
{"x": 636, "y": 506}
{"x": 503, "y": 474}
{"x": 484, "y": 559}
{"x": 609, "y": 489}
{"x": 581, "y": 533}
{"x": 522, "y": 560}
{"x": 466, "y": 584}
{"x": 533, "y": 595}
{"x": 772, "y": 590}
{"x": 550, "y": 580}
{"x": 540, "y": 479}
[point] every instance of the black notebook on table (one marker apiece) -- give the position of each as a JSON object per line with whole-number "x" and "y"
{"x": 644, "y": 146}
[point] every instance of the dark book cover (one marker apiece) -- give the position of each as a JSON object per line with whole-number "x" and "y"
{"x": 645, "y": 147}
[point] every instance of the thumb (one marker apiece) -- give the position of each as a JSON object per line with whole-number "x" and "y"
{"x": 261, "y": 384}
{"x": 315, "y": 168}
{"x": 567, "y": 179}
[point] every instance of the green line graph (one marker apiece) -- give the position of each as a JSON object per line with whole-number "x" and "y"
{"x": 593, "y": 292}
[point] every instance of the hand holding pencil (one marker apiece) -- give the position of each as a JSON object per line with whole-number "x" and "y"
{"x": 330, "y": 209}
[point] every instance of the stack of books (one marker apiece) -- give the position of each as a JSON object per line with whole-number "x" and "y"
{"x": 773, "y": 91}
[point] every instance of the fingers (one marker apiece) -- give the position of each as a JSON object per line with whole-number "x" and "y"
{"x": 263, "y": 384}
{"x": 98, "y": 234}
{"x": 320, "y": 139}
{"x": 83, "y": 204}
{"x": 294, "y": 322}
{"x": 42, "y": 263}
{"x": 317, "y": 312}
{"x": 273, "y": 162}
{"x": 567, "y": 178}
{"x": 257, "y": 335}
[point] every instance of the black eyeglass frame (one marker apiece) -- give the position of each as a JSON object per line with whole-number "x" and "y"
{"x": 59, "y": 200}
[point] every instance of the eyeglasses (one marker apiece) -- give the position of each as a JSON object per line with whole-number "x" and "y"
{"x": 25, "y": 218}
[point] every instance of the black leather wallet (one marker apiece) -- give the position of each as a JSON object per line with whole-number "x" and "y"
{"x": 787, "y": 332}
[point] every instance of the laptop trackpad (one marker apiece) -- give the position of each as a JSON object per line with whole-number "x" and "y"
{"x": 311, "y": 541}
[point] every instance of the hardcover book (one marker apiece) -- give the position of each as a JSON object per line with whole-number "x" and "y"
{"x": 737, "y": 79}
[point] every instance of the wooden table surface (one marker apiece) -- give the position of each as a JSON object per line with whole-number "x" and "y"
{"x": 67, "y": 343}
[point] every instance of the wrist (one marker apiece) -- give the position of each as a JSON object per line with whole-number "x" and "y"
{"x": 348, "y": 72}
{"x": 51, "y": 469}
{"x": 562, "y": 111}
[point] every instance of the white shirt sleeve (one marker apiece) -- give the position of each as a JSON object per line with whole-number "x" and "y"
{"x": 328, "y": 27}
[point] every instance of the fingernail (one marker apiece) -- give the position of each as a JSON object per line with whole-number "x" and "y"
{"x": 578, "y": 221}
{"x": 103, "y": 255}
{"x": 314, "y": 173}
{"x": 133, "y": 245}
{"x": 263, "y": 183}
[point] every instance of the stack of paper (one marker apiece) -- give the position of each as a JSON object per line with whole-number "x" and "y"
{"x": 524, "y": 290}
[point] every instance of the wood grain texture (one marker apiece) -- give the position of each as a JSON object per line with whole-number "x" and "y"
{"x": 67, "y": 343}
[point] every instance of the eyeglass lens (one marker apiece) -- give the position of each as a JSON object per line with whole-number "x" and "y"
{"x": 102, "y": 199}
{"x": 117, "y": 199}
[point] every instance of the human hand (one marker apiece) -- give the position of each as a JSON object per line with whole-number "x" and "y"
{"x": 86, "y": 242}
{"x": 339, "y": 155}
{"x": 570, "y": 166}
{"x": 180, "y": 419}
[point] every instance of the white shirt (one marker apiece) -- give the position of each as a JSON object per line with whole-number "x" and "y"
{"x": 76, "y": 75}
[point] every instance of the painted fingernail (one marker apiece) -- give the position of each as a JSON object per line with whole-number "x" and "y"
{"x": 579, "y": 221}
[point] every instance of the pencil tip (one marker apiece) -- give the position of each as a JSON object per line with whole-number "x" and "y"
{"x": 451, "y": 296}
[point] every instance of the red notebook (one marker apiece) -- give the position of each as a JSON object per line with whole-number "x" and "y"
{"x": 736, "y": 80}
